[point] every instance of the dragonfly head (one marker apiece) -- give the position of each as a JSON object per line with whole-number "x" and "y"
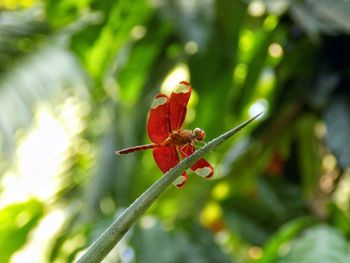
{"x": 198, "y": 134}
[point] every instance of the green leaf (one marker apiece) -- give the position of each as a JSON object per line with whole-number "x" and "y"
{"x": 123, "y": 16}
{"x": 287, "y": 232}
{"x": 255, "y": 217}
{"x": 16, "y": 222}
{"x": 320, "y": 244}
{"x": 211, "y": 68}
{"x": 143, "y": 62}
{"x": 196, "y": 246}
{"x": 247, "y": 219}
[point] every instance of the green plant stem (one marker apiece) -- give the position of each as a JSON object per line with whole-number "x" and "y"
{"x": 110, "y": 237}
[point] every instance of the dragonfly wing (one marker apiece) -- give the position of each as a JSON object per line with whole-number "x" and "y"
{"x": 178, "y": 104}
{"x": 202, "y": 167}
{"x": 166, "y": 158}
{"x": 158, "y": 126}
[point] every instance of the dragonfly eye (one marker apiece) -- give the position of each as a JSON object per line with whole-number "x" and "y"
{"x": 198, "y": 134}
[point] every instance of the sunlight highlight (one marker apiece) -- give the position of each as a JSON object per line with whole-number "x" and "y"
{"x": 179, "y": 73}
{"x": 34, "y": 250}
{"x": 257, "y": 107}
{"x": 41, "y": 154}
{"x": 39, "y": 161}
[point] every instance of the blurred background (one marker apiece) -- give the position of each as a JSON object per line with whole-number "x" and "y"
{"x": 76, "y": 82}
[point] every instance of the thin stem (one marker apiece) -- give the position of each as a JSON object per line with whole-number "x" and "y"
{"x": 111, "y": 236}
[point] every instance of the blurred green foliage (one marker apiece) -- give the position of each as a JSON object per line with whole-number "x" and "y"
{"x": 89, "y": 70}
{"x": 16, "y": 221}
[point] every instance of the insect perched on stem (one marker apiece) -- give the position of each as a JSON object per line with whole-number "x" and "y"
{"x": 169, "y": 140}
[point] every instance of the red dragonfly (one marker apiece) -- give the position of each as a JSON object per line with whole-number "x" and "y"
{"x": 169, "y": 140}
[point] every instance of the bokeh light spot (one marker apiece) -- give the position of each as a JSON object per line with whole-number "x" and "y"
{"x": 320, "y": 130}
{"x": 138, "y": 32}
{"x": 191, "y": 47}
{"x": 246, "y": 40}
{"x": 270, "y": 22}
{"x": 147, "y": 222}
{"x": 210, "y": 213}
{"x": 275, "y": 50}
{"x": 221, "y": 191}
{"x": 255, "y": 252}
{"x": 107, "y": 206}
{"x": 256, "y": 8}
{"x": 342, "y": 193}
{"x": 329, "y": 162}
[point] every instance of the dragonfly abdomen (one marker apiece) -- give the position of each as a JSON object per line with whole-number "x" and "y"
{"x": 137, "y": 148}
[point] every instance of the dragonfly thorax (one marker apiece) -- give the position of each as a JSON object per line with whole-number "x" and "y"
{"x": 180, "y": 137}
{"x": 183, "y": 137}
